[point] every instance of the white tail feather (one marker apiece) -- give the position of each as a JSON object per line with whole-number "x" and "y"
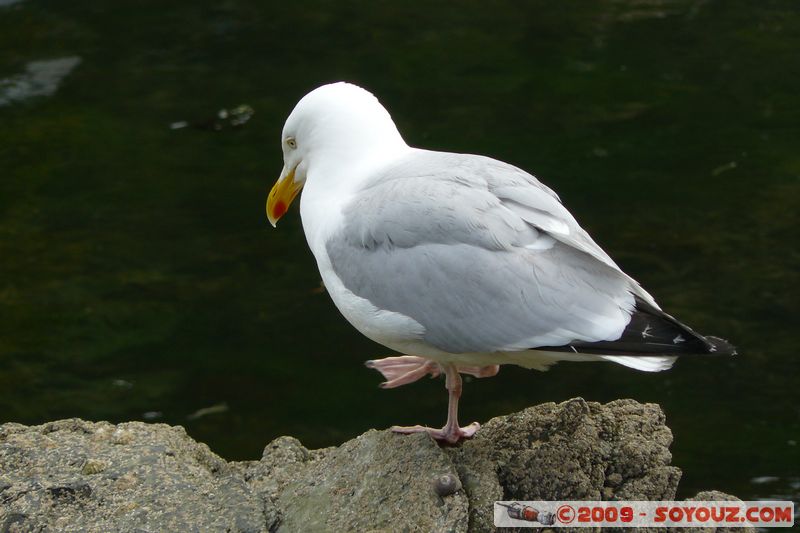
{"x": 644, "y": 363}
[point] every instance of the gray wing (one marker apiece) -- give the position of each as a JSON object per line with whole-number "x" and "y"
{"x": 481, "y": 254}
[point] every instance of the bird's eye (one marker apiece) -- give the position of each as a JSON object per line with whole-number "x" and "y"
{"x": 291, "y": 143}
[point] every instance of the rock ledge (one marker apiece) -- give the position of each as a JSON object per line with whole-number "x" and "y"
{"x": 73, "y": 475}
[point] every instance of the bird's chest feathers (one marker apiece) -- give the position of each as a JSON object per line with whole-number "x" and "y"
{"x": 322, "y": 215}
{"x": 391, "y": 329}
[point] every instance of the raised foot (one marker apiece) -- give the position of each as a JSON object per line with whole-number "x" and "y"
{"x": 448, "y": 434}
{"x": 403, "y": 369}
{"x": 479, "y": 371}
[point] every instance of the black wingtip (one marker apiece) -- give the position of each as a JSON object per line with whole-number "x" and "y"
{"x": 653, "y": 332}
{"x": 718, "y": 346}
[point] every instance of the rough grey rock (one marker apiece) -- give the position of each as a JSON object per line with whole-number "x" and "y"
{"x": 73, "y": 475}
{"x": 379, "y": 481}
{"x": 574, "y": 450}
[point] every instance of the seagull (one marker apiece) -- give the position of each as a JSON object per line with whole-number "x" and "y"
{"x": 459, "y": 262}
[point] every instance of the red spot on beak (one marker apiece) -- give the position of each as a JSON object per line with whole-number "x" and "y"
{"x": 280, "y": 210}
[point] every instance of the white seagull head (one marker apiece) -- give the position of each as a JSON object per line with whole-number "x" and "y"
{"x": 334, "y": 125}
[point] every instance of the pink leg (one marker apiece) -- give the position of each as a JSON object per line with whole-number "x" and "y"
{"x": 403, "y": 369}
{"x": 480, "y": 371}
{"x": 451, "y": 432}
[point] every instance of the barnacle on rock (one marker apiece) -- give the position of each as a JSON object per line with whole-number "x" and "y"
{"x": 446, "y": 484}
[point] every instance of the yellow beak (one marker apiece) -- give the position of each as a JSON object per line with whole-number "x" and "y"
{"x": 281, "y": 196}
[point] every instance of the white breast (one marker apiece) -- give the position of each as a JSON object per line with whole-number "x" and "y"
{"x": 321, "y": 213}
{"x": 393, "y": 330}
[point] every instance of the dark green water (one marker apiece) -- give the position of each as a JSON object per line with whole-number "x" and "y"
{"x": 138, "y": 273}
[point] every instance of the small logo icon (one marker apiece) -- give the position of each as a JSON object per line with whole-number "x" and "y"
{"x": 517, "y": 511}
{"x": 566, "y": 514}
